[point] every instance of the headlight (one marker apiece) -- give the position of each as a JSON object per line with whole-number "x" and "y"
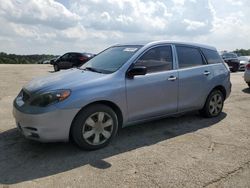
{"x": 49, "y": 98}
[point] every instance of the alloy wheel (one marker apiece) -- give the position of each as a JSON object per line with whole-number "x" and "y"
{"x": 215, "y": 104}
{"x": 97, "y": 128}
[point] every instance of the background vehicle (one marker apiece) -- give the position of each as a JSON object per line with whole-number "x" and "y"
{"x": 46, "y": 62}
{"x": 244, "y": 60}
{"x": 71, "y": 59}
{"x": 247, "y": 74}
{"x": 52, "y": 61}
{"x": 232, "y": 61}
{"x": 123, "y": 85}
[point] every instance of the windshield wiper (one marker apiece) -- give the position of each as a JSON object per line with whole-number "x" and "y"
{"x": 93, "y": 69}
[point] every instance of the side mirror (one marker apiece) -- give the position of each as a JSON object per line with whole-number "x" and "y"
{"x": 136, "y": 70}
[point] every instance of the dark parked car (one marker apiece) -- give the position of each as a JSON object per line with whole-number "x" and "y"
{"x": 70, "y": 59}
{"x": 232, "y": 61}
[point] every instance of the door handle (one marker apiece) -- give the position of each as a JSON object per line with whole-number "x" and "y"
{"x": 206, "y": 73}
{"x": 172, "y": 78}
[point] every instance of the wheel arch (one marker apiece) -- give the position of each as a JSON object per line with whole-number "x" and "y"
{"x": 220, "y": 88}
{"x": 110, "y": 104}
{"x": 203, "y": 111}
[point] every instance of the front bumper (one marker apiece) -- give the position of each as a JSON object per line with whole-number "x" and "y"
{"x": 242, "y": 67}
{"x": 45, "y": 127}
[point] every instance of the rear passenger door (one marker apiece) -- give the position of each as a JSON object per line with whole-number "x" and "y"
{"x": 194, "y": 78}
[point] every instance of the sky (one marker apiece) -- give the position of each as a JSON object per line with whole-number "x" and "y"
{"x": 59, "y": 26}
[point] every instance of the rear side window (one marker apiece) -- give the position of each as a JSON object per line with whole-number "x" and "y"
{"x": 189, "y": 56}
{"x": 157, "y": 59}
{"x": 211, "y": 56}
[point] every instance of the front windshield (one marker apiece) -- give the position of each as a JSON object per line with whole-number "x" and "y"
{"x": 111, "y": 59}
{"x": 229, "y": 55}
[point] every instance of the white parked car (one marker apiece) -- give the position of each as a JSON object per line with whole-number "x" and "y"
{"x": 247, "y": 74}
{"x": 244, "y": 60}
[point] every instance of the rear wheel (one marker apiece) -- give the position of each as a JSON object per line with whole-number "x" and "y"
{"x": 56, "y": 68}
{"x": 94, "y": 127}
{"x": 214, "y": 104}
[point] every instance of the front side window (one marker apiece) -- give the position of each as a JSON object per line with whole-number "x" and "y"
{"x": 211, "y": 56}
{"x": 188, "y": 57}
{"x": 111, "y": 59}
{"x": 157, "y": 59}
{"x": 65, "y": 57}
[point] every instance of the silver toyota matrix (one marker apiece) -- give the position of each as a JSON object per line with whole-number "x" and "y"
{"x": 122, "y": 85}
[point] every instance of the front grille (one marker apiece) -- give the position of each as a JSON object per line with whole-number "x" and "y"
{"x": 25, "y": 95}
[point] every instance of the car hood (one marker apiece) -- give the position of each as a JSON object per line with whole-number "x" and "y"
{"x": 68, "y": 79}
{"x": 243, "y": 62}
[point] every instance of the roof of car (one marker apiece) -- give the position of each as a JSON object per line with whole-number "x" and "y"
{"x": 73, "y": 52}
{"x": 150, "y": 43}
{"x": 80, "y": 53}
{"x": 247, "y": 56}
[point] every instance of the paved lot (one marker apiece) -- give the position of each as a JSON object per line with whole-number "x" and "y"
{"x": 187, "y": 151}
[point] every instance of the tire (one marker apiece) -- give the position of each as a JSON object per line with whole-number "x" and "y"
{"x": 56, "y": 68}
{"x": 88, "y": 129}
{"x": 214, "y": 104}
{"x": 248, "y": 84}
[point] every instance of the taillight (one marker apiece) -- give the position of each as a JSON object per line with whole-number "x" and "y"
{"x": 248, "y": 66}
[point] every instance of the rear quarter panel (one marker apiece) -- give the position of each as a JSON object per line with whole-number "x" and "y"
{"x": 221, "y": 77}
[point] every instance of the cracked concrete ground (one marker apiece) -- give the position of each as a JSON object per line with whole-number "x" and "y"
{"x": 186, "y": 151}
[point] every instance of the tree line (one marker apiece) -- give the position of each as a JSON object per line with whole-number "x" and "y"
{"x": 23, "y": 59}
{"x": 242, "y": 52}
{"x": 36, "y": 59}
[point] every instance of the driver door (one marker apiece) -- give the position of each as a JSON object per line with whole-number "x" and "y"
{"x": 65, "y": 62}
{"x": 154, "y": 94}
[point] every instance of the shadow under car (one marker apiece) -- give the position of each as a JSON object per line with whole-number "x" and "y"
{"x": 22, "y": 160}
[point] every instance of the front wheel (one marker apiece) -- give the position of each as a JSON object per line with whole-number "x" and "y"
{"x": 56, "y": 68}
{"x": 214, "y": 104}
{"x": 94, "y": 127}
